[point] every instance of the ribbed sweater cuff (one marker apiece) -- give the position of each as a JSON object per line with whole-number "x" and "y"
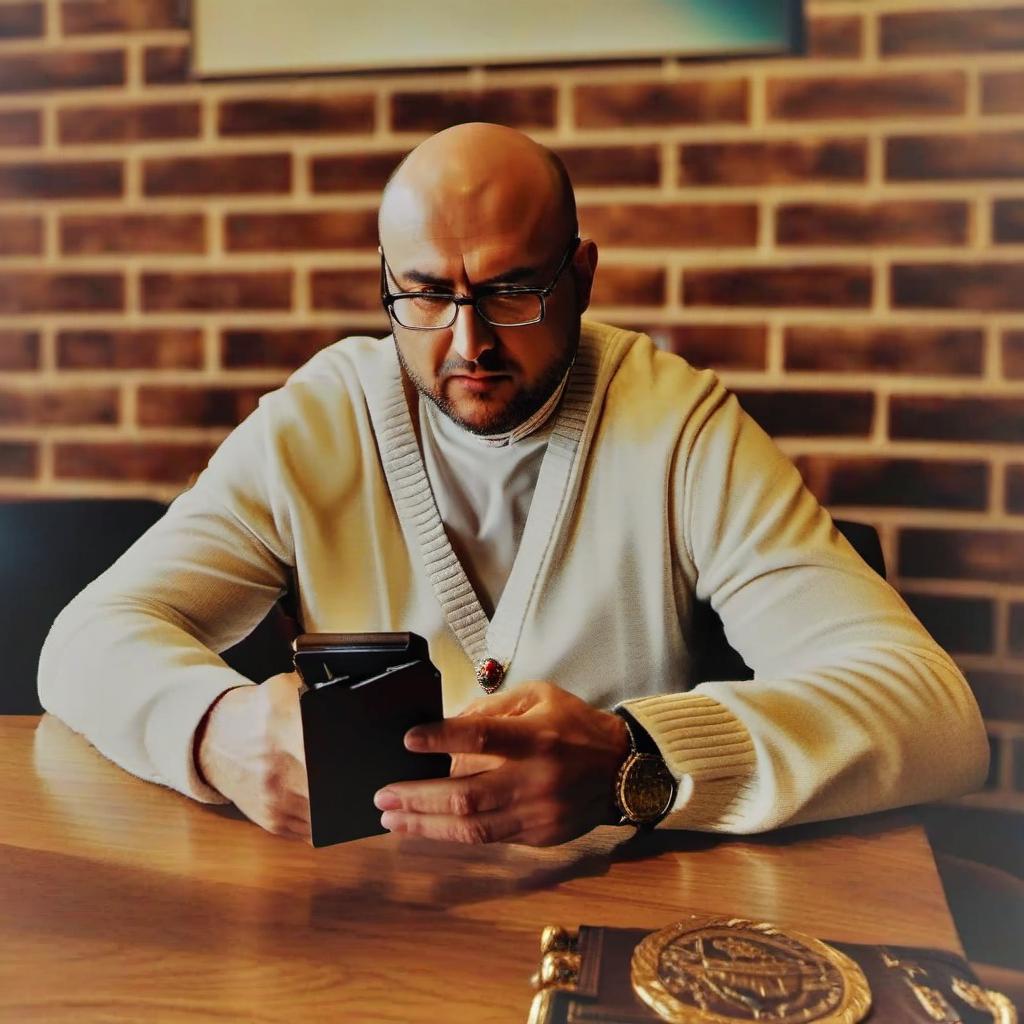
{"x": 709, "y": 751}
{"x": 171, "y": 729}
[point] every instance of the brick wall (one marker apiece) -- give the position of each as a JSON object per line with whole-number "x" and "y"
{"x": 842, "y": 236}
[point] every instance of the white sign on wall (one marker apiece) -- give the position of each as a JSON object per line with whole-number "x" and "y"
{"x": 254, "y": 37}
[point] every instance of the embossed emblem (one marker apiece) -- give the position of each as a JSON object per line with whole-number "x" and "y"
{"x": 716, "y": 970}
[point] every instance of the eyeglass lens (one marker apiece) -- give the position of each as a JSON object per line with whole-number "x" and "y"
{"x": 430, "y": 311}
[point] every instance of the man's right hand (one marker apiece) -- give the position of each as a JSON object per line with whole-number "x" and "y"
{"x": 250, "y": 750}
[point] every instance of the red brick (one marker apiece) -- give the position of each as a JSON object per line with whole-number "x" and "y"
{"x": 780, "y": 162}
{"x": 875, "y": 349}
{"x": 923, "y": 417}
{"x": 44, "y": 70}
{"x": 217, "y": 175}
{"x": 900, "y": 483}
{"x": 1000, "y": 695}
{"x": 996, "y": 556}
{"x": 83, "y": 16}
{"x": 314, "y": 229}
{"x": 20, "y": 235}
{"x": 521, "y": 107}
{"x": 1002, "y": 92}
{"x": 132, "y": 233}
{"x": 69, "y": 407}
{"x": 344, "y": 113}
{"x": 810, "y": 413}
{"x": 167, "y": 65}
{"x": 1016, "y": 638}
{"x": 18, "y": 459}
{"x": 626, "y": 104}
{"x": 283, "y": 348}
{"x": 984, "y": 30}
{"x": 22, "y": 20}
{"x": 897, "y": 222}
{"x": 20, "y": 128}
{"x": 1015, "y": 489}
{"x": 95, "y": 179}
{"x": 211, "y": 290}
{"x": 629, "y": 286}
{"x": 835, "y": 36}
{"x": 983, "y": 286}
{"x": 612, "y": 165}
{"x": 921, "y": 94}
{"x": 196, "y": 406}
{"x": 721, "y": 346}
{"x": 963, "y": 157}
{"x": 1008, "y": 220}
{"x": 346, "y": 289}
{"x": 128, "y": 123}
{"x": 1013, "y": 354}
{"x": 39, "y": 291}
{"x": 19, "y": 350}
{"x": 797, "y": 286}
{"x": 157, "y": 348}
{"x": 354, "y": 172}
{"x": 126, "y": 460}
{"x": 961, "y": 625}
{"x": 671, "y": 225}
{"x": 287, "y": 347}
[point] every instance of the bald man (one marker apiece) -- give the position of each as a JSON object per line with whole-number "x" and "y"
{"x": 544, "y": 499}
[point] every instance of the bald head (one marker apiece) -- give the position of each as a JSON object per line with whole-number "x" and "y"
{"x": 476, "y": 177}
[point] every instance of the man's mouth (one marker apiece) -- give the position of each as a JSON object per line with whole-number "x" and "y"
{"x": 477, "y": 383}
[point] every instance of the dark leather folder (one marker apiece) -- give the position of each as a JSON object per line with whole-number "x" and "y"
{"x": 363, "y": 692}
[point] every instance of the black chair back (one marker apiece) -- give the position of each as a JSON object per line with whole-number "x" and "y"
{"x": 49, "y": 551}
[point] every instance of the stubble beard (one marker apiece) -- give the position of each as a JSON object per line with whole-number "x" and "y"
{"x": 519, "y": 408}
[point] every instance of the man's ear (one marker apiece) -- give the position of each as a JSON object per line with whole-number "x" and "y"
{"x": 584, "y": 266}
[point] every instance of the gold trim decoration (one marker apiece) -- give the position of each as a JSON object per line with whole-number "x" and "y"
{"x": 718, "y": 970}
{"x": 541, "y": 1007}
{"x": 558, "y": 940}
{"x": 559, "y": 970}
{"x": 986, "y": 1000}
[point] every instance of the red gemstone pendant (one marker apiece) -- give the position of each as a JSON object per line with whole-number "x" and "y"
{"x": 489, "y": 674}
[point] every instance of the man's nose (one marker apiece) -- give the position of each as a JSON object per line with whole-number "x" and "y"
{"x": 471, "y": 335}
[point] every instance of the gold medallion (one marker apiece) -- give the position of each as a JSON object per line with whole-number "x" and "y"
{"x": 716, "y": 970}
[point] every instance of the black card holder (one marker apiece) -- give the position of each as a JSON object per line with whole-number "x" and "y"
{"x": 363, "y": 692}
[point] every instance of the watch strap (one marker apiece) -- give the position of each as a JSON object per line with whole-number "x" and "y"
{"x": 639, "y": 738}
{"x": 640, "y": 743}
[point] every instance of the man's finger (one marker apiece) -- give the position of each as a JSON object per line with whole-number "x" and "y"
{"x": 476, "y": 734}
{"x": 461, "y": 797}
{"x": 505, "y": 702}
{"x": 492, "y": 827}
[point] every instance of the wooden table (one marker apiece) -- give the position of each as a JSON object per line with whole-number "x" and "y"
{"x": 122, "y": 901}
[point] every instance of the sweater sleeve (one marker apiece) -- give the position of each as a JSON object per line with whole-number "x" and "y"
{"x": 131, "y": 663}
{"x": 853, "y": 707}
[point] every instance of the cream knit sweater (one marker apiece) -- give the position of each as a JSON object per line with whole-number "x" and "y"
{"x": 655, "y": 490}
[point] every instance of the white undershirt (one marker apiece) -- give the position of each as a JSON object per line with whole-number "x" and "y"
{"x": 483, "y": 495}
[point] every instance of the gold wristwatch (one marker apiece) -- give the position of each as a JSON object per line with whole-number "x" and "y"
{"x": 644, "y": 787}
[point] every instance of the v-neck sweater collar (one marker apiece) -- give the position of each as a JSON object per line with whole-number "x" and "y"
{"x": 557, "y": 484}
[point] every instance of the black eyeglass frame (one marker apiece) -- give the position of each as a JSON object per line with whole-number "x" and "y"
{"x": 389, "y": 298}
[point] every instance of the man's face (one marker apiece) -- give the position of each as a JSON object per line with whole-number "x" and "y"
{"x": 488, "y": 379}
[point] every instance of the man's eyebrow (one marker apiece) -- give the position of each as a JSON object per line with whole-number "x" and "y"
{"x": 517, "y": 275}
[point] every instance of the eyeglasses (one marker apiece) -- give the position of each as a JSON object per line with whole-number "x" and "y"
{"x": 503, "y": 307}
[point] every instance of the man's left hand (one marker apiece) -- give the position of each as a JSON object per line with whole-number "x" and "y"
{"x": 535, "y": 765}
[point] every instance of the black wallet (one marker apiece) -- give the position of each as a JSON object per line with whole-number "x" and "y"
{"x": 363, "y": 692}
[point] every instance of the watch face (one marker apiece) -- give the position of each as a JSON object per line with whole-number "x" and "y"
{"x": 647, "y": 788}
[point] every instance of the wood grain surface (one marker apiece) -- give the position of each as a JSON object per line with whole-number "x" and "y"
{"x": 123, "y": 901}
